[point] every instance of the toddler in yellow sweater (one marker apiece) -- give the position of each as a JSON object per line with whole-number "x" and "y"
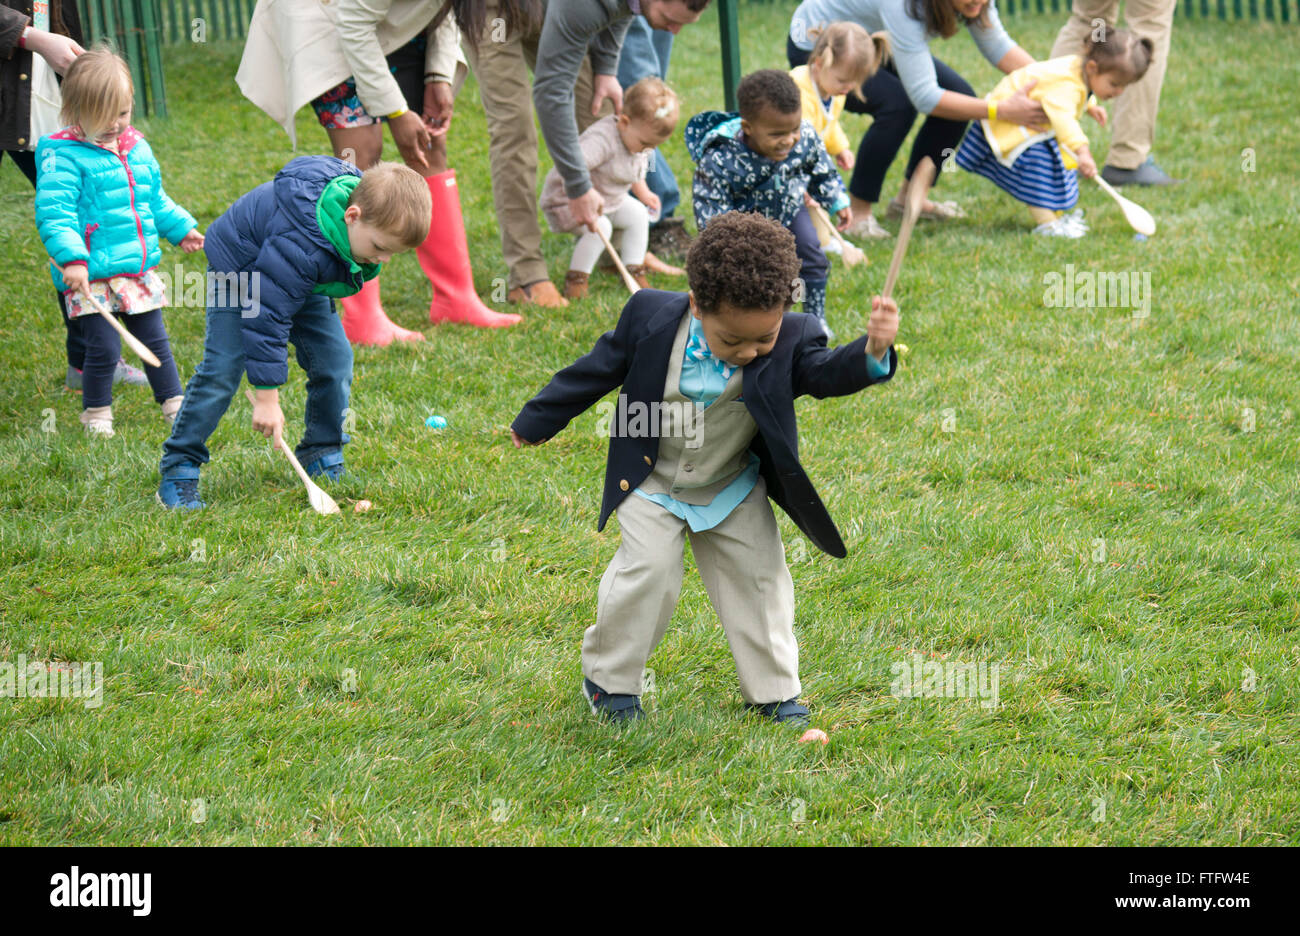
{"x": 1029, "y": 163}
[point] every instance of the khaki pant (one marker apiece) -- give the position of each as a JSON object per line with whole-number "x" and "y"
{"x": 506, "y": 90}
{"x": 742, "y": 565}
{"x": 1134, "y": 118}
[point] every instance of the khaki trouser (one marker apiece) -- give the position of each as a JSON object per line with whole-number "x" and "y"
{"x": 1134, "y": 118}
{"x": 506, "y": 90}
{"x": 742, "y": 565}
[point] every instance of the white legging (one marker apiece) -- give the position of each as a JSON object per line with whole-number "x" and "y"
{"x": 632, "y": 219}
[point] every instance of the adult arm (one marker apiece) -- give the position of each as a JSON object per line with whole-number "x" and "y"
{"x": 915, "y": 65}
{"x": 569, "y": 29}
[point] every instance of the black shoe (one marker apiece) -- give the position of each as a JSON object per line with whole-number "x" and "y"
{"x": 669, "y": 239}
{"x": 1146, "y": 174}
{"x": 611, "y": 706}
{"x": 790, "y": 712}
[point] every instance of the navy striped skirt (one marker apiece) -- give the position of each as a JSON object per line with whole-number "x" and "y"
{"x": 1037, "y": 178}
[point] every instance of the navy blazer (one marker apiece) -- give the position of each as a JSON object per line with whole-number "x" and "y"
{"x": 635, "y": 355}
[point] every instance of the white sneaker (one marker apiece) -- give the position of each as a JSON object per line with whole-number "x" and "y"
{"x": 834, "y": 247}
{"x": 1075, "y": 218}
{"x": 868, "y": 228}
{"x": 1061, "y": 227}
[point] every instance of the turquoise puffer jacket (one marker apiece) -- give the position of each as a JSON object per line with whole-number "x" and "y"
{"x": 102, "y": 209}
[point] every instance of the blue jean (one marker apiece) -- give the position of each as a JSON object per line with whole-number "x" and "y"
{"x": 646, "y": 52}
{"x": 323, "y": 352}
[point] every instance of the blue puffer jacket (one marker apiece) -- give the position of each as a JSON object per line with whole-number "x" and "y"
{"x": 102, "y": 209}
{"x": 272, "y": 234}
{"x": 729, "y": 176}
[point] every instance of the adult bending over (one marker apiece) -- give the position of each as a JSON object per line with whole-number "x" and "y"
{"x": 572, "y": 48}
{"x": 914, "y": 81}
{"x": 360, "y": 62}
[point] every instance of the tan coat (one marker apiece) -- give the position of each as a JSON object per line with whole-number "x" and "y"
{"x": 299, "y": 49}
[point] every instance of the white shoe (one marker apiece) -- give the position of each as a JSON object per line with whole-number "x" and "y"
{"x": 867, "y": 228}
{"x": 834, "y": 247}
{"x": 1061, "y": 227}
{"x": 1075, "y": 218}
{"x": 98, "y": 421}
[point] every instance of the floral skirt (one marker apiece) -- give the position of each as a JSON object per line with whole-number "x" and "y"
{"x": 128, "y": 294}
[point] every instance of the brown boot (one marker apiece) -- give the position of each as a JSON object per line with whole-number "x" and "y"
{"x": 575, "y": 284}
{"x": 637, "y": 270}
{"x": 542, "y": 293}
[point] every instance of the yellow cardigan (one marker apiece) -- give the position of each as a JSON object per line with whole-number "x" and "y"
{"x": 825, "y": 121}
{"x": 1064, "y": 97}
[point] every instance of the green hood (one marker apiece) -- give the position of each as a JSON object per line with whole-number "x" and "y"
{"x": 329, "y": 215}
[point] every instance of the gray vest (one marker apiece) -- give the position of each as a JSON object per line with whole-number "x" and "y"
{"x": 701, "y": 450}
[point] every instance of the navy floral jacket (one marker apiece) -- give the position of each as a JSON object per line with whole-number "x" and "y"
{"x": 729, "y": 176}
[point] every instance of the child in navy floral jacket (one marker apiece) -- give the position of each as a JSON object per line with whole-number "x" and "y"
{"x": 763, "y": 160}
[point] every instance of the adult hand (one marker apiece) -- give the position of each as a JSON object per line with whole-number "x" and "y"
{"x": 1097, "y": 113}
{"x": 586, "y": 208}
{"x": 192, "y": 242}
{"x": 412, "y": 138}
{"x": 438, "y": 105}
{"x": 1021, "y": 109}
{"x": 59, "y": 51}
{"x": 882, "y": 326}
{"x": 606, "y": 86}
{"x": 845, "y": 160}
{"x": 268, "y": 418}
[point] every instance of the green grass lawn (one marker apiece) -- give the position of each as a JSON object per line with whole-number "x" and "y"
{"x": 1103, "y": 505}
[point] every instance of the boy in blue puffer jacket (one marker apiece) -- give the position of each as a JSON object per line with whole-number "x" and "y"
{"x": 277, "y": 258}
{"x": 100, "y": 208}
{"x": 764, "y": 159}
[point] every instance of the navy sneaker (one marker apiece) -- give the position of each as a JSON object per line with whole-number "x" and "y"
{"x": 790, "y": 712}
{"x": 330, "y": 465}
{"x": 180, "y": 494}
{"x": 611, "y": 706}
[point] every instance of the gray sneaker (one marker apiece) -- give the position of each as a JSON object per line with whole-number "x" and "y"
{"x": 1146, "y": 174}
{"x": 127, "y": 374}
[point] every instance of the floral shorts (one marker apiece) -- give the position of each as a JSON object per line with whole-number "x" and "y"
{"x": 128, "y": 294}
{"x": 339, "y": 108}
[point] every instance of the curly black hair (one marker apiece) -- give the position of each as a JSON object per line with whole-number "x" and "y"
{"x": 768, "y": 87}
{"x": 746, "y": 259}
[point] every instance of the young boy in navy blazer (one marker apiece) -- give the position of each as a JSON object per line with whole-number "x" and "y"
{"x": 705, "y": 433}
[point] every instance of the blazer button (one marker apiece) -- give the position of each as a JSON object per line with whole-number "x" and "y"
{"x": 623, "y": 485}
{"x": 647, "y": 457}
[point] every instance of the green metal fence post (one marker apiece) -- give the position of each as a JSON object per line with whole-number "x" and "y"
{"x": 153, "y": 45}
{"x": 729, "y": 33}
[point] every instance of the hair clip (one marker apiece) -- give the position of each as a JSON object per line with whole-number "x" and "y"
{"x": 664, "y": 111}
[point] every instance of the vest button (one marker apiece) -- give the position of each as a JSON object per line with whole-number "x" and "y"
{"x": 647, "y": 457}
{"x": 22, "y": 77}
{"x": 623, "y": 485}
{"x": 22, "y": 142}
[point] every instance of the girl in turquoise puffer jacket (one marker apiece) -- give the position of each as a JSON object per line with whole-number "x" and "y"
{"x": 100, "y": 207}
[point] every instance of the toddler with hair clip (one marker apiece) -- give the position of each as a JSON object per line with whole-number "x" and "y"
{"x": 619, "y": 150}
{"x": 1029, "y": 164}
